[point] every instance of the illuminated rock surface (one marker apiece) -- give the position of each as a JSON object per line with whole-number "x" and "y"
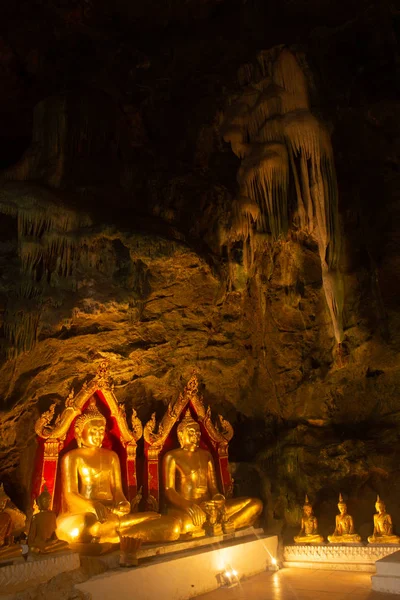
{"x": 117, "y": 239}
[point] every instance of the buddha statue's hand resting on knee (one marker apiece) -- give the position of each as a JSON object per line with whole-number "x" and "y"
{"x": 344, "y": 530}
{"x": 308, "y": 533}
{"x": 94, "y": 507}
{"x": 190, "y": 484}
{"x": 383, "y": 527}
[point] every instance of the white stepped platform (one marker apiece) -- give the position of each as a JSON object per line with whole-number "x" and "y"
{"x": 339, "y": 557}
{"x": 111, "y": 560}
{"x": 387, "y": 578}
{"x": 37, "y": 569}
{"x": 185, "y": 574}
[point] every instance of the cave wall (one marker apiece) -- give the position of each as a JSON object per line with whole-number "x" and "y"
{"x": 117, "y": 196}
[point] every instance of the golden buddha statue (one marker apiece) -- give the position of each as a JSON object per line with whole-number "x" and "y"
{"x": 383, "y": 527}
{"x": 8, "y": 549}
{"x": 42, "y": 531}
{"x": 94, "y": 507}
{"x": 308, "y": 533}
{"x": 344, "y": 529}
{"x": 191, "y": 490}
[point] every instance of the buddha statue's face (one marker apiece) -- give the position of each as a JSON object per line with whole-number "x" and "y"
{"x": 189, "y": 437}
{"x": 92, "y": 434}
{"x": 380, "y": 507}
{"x": 307, "y": 511}
{"x": 3, "y": 502}
{"x": 44, "y": 502}
{"x": 342, "y": 509}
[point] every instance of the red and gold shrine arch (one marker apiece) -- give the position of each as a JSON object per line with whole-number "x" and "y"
{"x": 54, "y": 440}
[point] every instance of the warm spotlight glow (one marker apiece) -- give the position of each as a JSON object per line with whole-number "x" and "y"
{"x": 228, "y": 574}
{"x": 74, "y": 533}
{"x": 274, "y": 561}
{"x": 234, "y": 573}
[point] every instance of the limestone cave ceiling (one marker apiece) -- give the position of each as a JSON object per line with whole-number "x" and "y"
{"x": 210, "y": 184}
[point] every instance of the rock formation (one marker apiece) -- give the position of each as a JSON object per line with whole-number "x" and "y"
{"x": 130, "y": 231}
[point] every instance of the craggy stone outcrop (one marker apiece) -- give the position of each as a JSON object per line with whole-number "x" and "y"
{"x": 118, "y": 204}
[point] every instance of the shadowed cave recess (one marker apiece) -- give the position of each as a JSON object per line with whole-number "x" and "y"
{"x": 209, "y": 185}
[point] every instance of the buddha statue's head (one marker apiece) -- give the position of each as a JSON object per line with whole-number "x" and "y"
{"x": 342, "y": 506}
{"x": 44, "y": 499}
{"x": 307, "y": 507}
{"x": 188, "y": 432}
{"x": 380, "y": 505}
{"x": 90, "y": 427}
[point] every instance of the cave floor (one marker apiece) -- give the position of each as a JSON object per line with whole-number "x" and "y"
{"x": 301, "y": 584}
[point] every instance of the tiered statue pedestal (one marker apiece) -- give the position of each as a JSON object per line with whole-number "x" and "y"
{"x": 21, "y": 574}
{"x": 387, "y": 578}
{"x": 184, "y": 569}
{"x": 339, "y": 557}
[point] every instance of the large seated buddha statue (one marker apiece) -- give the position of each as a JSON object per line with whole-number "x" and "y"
{"x": 94, "y": 507}
{"x": 191, "y": 490}
{"x": 383, "y": 526}
{"x": 344, "y": 528}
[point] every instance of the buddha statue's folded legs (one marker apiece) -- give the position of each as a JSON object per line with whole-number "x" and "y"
{"x": 243, "y": 512}
{"x": 148, "y": 526}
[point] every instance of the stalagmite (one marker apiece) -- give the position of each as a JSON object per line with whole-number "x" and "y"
{"x": 281, "y": 143}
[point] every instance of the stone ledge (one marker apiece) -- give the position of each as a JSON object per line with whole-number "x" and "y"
{"x": 339, "y": 557}
{"x": 37, "y": 569}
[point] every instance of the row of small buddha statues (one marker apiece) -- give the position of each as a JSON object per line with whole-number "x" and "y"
{"x": 344, "y": 527}
{"x": 95, "y": 509}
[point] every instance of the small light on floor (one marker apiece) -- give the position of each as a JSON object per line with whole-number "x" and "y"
{"x": 273, "y": 566}
{"x": 228, "y": 578}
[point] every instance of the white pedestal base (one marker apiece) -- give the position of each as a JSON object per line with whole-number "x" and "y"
{"x": 354, "y": 557}
{"x": 387, "y": 578}
{"x": 23, "y": 574}
{"x": 186, "y": 574}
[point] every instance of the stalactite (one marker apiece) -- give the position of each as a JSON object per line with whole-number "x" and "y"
{"x": 47, "y": 243}
{"x": 271, "y": 129}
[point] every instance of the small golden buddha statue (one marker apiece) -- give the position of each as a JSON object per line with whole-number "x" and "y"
{"x": 94, "y": 507}
{"x": 191, "y": 490}
{"x": 42, "y": 531}
{"x": 8, "y": 549}
{"x": 308, "y": 533}
{"x": 344, "y": 530}
{"x": 383, "y": 527}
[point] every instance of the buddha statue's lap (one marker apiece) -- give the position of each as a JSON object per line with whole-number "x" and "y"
{"x": 94, "y": 507}
{"x": 191, "y": 485}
